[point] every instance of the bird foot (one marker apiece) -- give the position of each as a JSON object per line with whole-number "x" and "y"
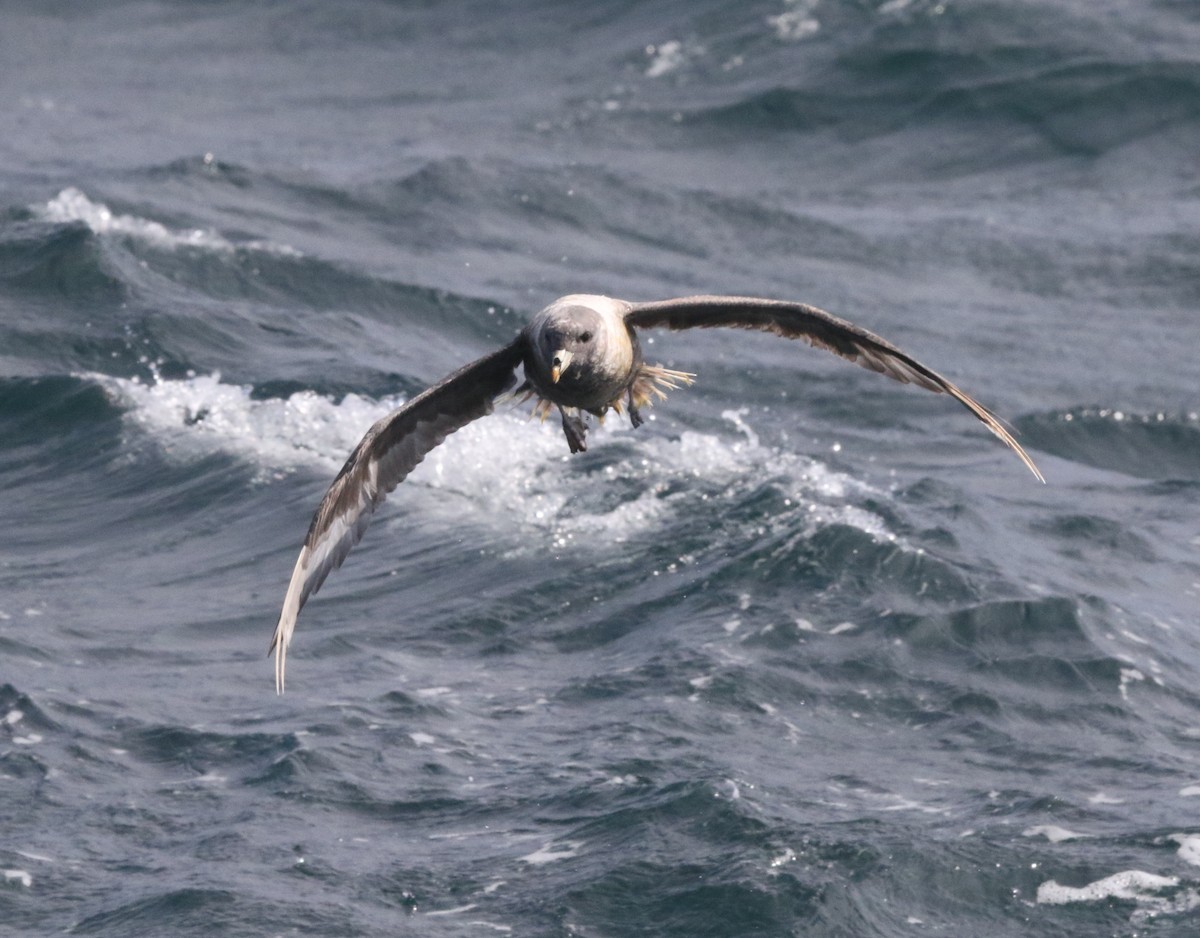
{"x": 575, "y": 429}
{"x": 635, "y": 416}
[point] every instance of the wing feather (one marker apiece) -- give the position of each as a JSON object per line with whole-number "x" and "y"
{"x": 388, "y": 452}
{"x": 819, "y": 329}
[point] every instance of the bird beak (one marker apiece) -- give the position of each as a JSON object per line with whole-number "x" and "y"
{"x": 562, "y": 358}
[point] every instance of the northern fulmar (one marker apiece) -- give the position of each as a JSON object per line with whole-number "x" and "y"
{"x": 580, "y": 355}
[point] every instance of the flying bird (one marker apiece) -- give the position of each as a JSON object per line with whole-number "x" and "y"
{"x": 579, "y": 355}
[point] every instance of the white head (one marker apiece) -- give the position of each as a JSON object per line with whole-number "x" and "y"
{"x": 584, "y": 331}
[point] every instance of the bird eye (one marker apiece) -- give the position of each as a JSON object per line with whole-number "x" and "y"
{"x": 585, "y": 337}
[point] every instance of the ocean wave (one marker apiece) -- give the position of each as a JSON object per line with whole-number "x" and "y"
{"x": 200, "y": 415}
{"x": 825, "y": 665}
{"x": 586, "y": 212}
{"x": 65, "y": 262}
{"x": 999, "y": 629}
{"x": 20, "y": 715}
{"x": 1152, "y": 895}
{"x": 1044, "y": 81}
{"x": 34, "y": 409}
{"x": 1074, "y": 108}
{"x": 189, "y": 908}
{"x": 1148, "y": 445}
{"x": 72, "y": 205}
{"x": 517, "y": 465}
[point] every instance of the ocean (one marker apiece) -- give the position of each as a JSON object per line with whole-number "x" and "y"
{"x": 809, "y": 654}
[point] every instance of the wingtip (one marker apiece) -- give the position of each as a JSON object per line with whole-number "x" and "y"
{"x": 1022, "y": 455}
{"x": 279, "y": 649}
{"x": 292, "y": 603}
{"x": 995, "y": 424}
{"x": 1017, "y": 448}
{"x": 280, "y": 658}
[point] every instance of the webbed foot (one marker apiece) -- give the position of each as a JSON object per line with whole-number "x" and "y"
{"x": 575, "y": 429}
{"x": 635, "y": 416}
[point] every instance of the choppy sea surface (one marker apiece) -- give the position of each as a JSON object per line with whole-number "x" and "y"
{"x": 809, "y": 654}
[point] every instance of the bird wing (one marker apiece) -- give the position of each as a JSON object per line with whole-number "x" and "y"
{"x": 819, "y": 329}
{"x": 391, "y": 449}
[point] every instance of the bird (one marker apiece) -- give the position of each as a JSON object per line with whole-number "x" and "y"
{"x": 581, "y": 356}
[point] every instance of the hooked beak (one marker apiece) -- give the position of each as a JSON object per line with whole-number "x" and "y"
{"x": 562, "y": 358}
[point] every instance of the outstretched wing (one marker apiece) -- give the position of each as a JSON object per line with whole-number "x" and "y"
{"x": 820, "y": 329}
{"x": 390, "y": 450}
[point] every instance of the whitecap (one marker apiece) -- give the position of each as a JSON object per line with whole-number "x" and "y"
{"x": 1129, "y": 675}
{"x": 668, "y": 56}
{"x": 1052, "y": 832}
{"x": 519, "y": 465}
{"x": 1129, "y": 884}
{"x": 1189, "y": 847}
{"x": 1154, "y": 894}
{"x": 796, "y": 22}
{"x": 549, "y": 853}
{"x": 457, "y": 910}
{"x": 203, "y": 416}
{"x": 72, "y": 205}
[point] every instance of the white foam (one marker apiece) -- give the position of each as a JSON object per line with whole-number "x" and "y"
{"x": 1145, "y": 889}
{"x": 19, "y": 876}
{"x": 550, "y": 854}
{"x": 797, "y": 21}
{"x": 1052, "y": 833}
{"x": 457, "y": 910}
{"x": 1130, "y": 884}
{"x": 72, "y": 205}
{"x": 518, "y": 466}
{"x": 1189, "y": 847}
{"x": 1128, "y": 676}
{"x": 664, "y": 58}
{"x": 203, "y": 416}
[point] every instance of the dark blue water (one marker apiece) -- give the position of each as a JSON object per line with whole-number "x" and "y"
{"x": 808, "y": 654}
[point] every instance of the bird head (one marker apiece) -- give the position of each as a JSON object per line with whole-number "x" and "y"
{"x": 568, "y": 340}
